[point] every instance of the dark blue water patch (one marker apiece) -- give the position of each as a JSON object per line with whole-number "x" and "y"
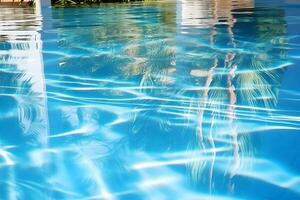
{"x": 262, "y": 190}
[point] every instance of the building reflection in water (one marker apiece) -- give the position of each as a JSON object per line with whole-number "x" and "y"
{"x": 24, "y": 117}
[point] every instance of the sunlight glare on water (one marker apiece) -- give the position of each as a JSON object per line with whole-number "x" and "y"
{"x": 151, "y": 100}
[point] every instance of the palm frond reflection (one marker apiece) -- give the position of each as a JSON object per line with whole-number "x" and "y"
{"x": 230, "y": 78}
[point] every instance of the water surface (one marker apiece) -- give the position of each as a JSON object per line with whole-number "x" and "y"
{"x": 166, "y": 100}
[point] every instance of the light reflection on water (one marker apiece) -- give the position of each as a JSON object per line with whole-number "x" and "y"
{"x": 166, "y": 100}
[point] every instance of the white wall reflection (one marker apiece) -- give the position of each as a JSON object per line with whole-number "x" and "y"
{"x": 209, "y": 12}
{"x": 20, "y": 30}
{"x": 24, "y": 101}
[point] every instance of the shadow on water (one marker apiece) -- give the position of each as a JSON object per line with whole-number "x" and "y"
{"x": 164, "y": 100}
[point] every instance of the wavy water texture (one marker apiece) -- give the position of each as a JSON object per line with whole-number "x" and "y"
{"x": 164, "y": 100}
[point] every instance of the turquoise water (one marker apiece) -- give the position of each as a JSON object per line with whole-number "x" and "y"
{"x": 168, "y": 100}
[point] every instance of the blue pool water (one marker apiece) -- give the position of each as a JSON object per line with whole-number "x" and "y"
{"x": 158, "y": 100}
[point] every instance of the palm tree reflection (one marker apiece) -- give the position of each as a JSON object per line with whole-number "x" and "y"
{"x": 225, "y": 71}
{"x": 232, "y": 81}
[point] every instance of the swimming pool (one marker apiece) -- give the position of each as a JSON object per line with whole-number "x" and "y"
{"x": 155, "y": 100}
